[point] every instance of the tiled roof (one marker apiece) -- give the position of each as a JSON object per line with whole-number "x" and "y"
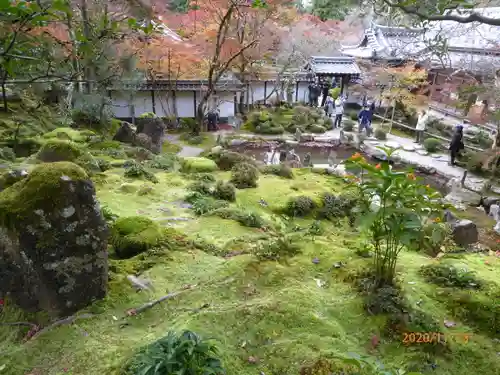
{"x": 471, "y": 46}
{"x": 333, "y": 65}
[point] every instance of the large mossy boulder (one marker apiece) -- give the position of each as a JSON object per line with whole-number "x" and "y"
{"x": 133, "y": 235}
{"x": 154, "y": 127}
{"x": 59, "y": 150}
{"x": 126, "y": 133}
{"x": 53, "y": 241}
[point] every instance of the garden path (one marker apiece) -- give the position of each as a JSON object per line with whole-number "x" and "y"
{"x": 186, "y": 151}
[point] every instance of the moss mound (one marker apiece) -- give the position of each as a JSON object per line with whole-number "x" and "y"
{"x": 37, "y": 191}
{"x": 69, "y": 134}
{"x": 134, "y": 235}
{"x": 58, "y": 150}
{"x": 197, "y": 165}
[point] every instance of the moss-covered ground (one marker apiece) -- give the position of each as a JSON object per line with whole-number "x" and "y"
{"x": 282, "y": 315}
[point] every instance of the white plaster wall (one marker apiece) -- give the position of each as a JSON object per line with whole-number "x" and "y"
{"x": 185, "y": 103}
{"x": 143, "y": 102}
{"x": 257, "y": 92}
{"x": 303, "y": 92}
{"x": 226, "y": 104}
{"x": 120, "y": 104}
{"x": 164, "y": 103}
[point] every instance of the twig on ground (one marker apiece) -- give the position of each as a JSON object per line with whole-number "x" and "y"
{"x": 68, "y": 320}
{"x": 27, "y": 324}
{"x": 149, "y": 305}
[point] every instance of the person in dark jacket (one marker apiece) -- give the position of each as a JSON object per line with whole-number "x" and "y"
{"x": 212, "y": 118}
{"x": 365, "y": 120}
{"x": 456, "y": 144}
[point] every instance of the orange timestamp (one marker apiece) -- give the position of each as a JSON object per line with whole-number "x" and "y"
{"x": 434, "y": 337}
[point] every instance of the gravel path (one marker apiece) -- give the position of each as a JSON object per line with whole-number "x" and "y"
{"x": 186, "y": 151}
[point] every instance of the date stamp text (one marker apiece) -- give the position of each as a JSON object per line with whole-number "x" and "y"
{"x": 410, "y": 338}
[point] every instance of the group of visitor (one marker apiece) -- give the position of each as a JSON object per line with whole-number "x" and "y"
{"x": 457, "y": 140}
{"x": 335, "y": 107}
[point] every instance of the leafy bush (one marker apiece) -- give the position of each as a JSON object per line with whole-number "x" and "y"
{"x": 228, "y": 159}
{"x": 317, "y": 129}
{"x": 269, "y": 128}
{"x": 139, "y": 153}
{"x": 300, "y": 206}
{"x": 280, "y": 244}
{"x": 103, "y": 164}
{"x": 245, "y": 218}
{"x": 203, "y": 204}
{"x": 335, "y": 207}
{"x": 136, "y": 170}
{"x": 105, "y": 145}
{"x": 281, "y": 170}
{"x": 197, "y": 165}
{"x": 133, "y": 235}
{"x": 193, "y": 139}
{"x": 186, "y": 354}
{"x": 403, "y": 209}
{"x": 201, "y": 187}
{"x": 348, "y": 125}
{"x": 244, "y": 175}
{"x": 225, "y": 191}
{"x": 164, "y": 162}
{"x": 432, "y": 144}
{"x": 353, "y": 116}
{"x": 380, "y": 134}
{"x": 204, "y": 177}
{"x": 449, "y": 276}
{"x": 108, "y": 215}
{"x": 435, "y": 237}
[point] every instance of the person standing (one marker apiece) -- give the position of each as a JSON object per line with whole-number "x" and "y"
{"x": 365, "y": 120}
{"x": 329, "y": 106}
{"x": 339, "y": 112}
{"x": 423, "y": 118}
{"x": 456, "y": 144}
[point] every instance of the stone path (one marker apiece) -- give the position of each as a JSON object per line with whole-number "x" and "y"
{"x": 186, "y": 151}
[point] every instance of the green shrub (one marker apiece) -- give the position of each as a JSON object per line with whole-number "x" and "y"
{"x": 201, "y": 187}
{"x": 336, "y": 207}
{"x": 197, "y": 165}
{"x": 204, "y": 177}
{"x": 353, "y": 116}
{"x": 7, "y": 153}
{"x": 225, "y": 191}
{"x": 136, "y": 170}
{"x": 348, "y": 125}
{"x": 147, "y": 115}
{"x": 133, "y": 235}
{"x": 380, "y": 134}
{"x": 145, "y": 190}
{"x": 186, "y": 354}
{"x": 449, "y": 276}
{"x": 244, "y": 175}
{"x": 432, "y": 144}
{"x": 228, "y": 159}
{"x": 300, "y": 206}
{"x": 203, "y": 204}
{"x": 57, "y": 150}
{"x": 139, "y": 153}
{"x": 193, "y": 139}
{"x": 281, "y": 170}
{"x": 316, "y": 129}
{"x": 267, "y": 129}
{"x": 164, "y": 162}
{"x": 104, "y": 165}
{"x": 277, "y": 248}
{"x": 245, "y": 218}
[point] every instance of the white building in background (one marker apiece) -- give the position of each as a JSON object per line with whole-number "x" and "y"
{"x": 181, "y": 98}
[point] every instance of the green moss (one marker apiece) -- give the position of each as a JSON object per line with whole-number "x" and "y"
{"x": 197, "y": 165}
{"x": 58, "y": 150}
{"x": 69, "y": 134}
{"x": 148, "y": 115}
{"x": 40, "y": 190}
{"x": 106, "y": 145}
{"x": 133, "y": 235}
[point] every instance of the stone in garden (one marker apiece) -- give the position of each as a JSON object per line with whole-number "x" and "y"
{"x": 422, "y": 152}
{"x": 392, "y": 144}
{"x": 291, "y": 143}
{"x": 409, "y": 148}
{"x": 154, "y": 128}
{"x": 144, "y": 141}
{"x": 237, "y": 142}
{"x": 216, "y": 149}
{"x": 298, "y": 134}
{"x": 126, "y": 133}
{"x": 307, "y": 159}
{"x": 53, "y": 241}
{"x": 460, "y": 198}
{"x": 306, "y": 137}
{"x": 464, "y": 232}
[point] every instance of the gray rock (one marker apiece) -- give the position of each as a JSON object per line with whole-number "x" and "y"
{"x": 216, "y": 149}
{"x": 307, "y": 137}
{"x": 392, "y": 144}
{"x": 409, "y": 148}
{"x": 464, "y": 232}
{"x": 154, "y": 128}
{"x": 461, "y": 198}
{"x": 237, "y": 142}
{"x": 126, "y": 133}
{"x": 488, "y": 201}
{"x": 422, "y": 152}
{"x": 43, "y": 264}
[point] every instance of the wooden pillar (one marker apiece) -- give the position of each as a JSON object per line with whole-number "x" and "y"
{"x": 296, "y": 91}
{"x": 174, "y": 103}
{"x": 342, "y": 85}
{"x": 235, "y": 103}
{"x": 265, "y": 91}
{"x": 153, "y": 101}
{"x": 195, "y": 104}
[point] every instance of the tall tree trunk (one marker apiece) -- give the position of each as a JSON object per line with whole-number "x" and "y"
{"x": 4, "y": 92}
{"x": 89, "y": 68}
